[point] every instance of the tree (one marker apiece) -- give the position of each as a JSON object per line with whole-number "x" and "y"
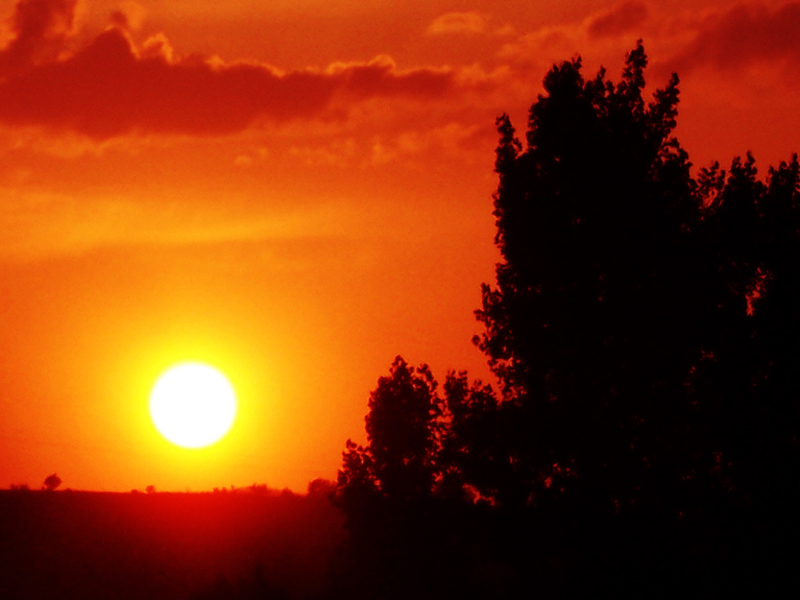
{"x": 402, "y": 425}
{"x": 476, "y": 459}
{"x": 644, "y": 329}
{"x": 389, "y": 492}
{"x": 747, "y": 385}
{"x": 51, "y": 482}
{"x": 634, "y": 320}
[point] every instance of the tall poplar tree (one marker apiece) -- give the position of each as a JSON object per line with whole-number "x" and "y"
{"x": 634, "y": 319}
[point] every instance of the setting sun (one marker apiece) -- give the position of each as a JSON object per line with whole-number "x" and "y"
{"x": 193, "y": 405}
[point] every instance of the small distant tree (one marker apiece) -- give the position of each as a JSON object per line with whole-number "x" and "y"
{"x": 259, "y": 488}
{"x": 150, "y": 489}
{"x": 51, "y": 482}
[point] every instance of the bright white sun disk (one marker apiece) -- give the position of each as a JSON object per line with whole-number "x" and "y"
{"x": 193, "y": 405}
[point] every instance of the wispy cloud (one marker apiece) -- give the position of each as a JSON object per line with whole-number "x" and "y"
{"x": 458, "y": 22}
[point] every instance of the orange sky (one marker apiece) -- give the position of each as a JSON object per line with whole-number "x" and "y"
{"x": 295, "y": 191}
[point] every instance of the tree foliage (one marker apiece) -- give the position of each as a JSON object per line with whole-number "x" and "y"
{"x": 634, "y": 319}
{"x": 402, "y": 425}
{"x": 51, "y": 482}
{"x": 645, "y": 332}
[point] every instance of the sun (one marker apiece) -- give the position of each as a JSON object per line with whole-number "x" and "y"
{"x": 193, "y": 405}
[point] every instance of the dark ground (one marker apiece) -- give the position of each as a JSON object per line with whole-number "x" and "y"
{"x": 69, "y": 544}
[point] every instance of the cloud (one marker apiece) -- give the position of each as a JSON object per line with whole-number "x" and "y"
{"x": 744, "y": 34}
{"x": 111, "y": 88}
{"x": 458, "y": 22}
{"x": 747, "y": 35}
{"x": 40, "y": 29}
{"x": 620, "y": 19}
{"x": 130, "y": 16}
{"x": 381, "y": 77}
{"x": 450, "y": 141}
{"x": 599, "y": 36}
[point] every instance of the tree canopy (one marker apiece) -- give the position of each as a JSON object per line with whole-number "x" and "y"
{"x": 644, "y": 329}
{"x": 634, "y": 322}
{"x": 402, "y": 433}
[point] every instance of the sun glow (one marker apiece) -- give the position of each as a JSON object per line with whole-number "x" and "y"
{"x": 193, "y": 405}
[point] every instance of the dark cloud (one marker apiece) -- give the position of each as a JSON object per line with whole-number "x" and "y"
{"x": 744, "y": 34}
{"x": 111, "y": 88}
{"x": 120, "y": 19}
{"x": 40, "y": 28}
{"x": 380, "y": 77}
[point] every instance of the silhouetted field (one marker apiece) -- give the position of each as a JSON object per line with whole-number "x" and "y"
{"x": 164, "y": 545}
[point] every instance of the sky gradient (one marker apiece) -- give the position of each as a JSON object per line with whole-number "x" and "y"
{"x": 296, "y": 192}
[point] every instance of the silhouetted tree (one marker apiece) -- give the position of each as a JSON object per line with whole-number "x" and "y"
{"x": 475, "y": 453}
{"x": 644, "y": 327}
{"x": 644, "y": 322}
{"x": 51, "y": 482}
{"x": 404, "y": 539}
{"x": 590, "y": 327}
{"x": 746, "y": 384}
{"x": 399, "y": 460}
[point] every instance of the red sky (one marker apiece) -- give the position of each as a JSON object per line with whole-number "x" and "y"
{"x": 295, "y": 191}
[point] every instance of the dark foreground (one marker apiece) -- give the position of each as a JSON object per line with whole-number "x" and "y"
{"x": 248, "y": 544}
{"x": 195, "y": 545}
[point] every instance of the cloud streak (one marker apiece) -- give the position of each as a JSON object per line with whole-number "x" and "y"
{"x": 458, "y": 22}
